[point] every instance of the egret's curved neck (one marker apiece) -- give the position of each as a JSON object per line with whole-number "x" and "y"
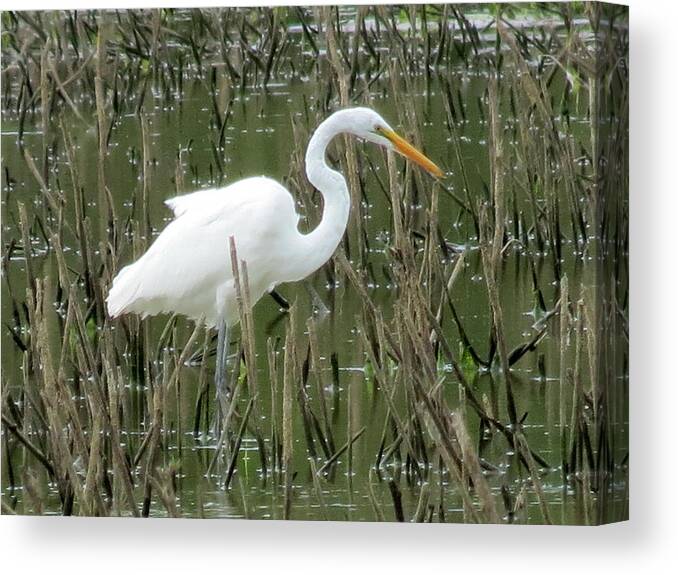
{"x": 320, "y": 244}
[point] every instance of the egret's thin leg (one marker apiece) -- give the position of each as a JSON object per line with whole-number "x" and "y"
{"x": 220, "y": 375}
{"x": 279, "y": 299}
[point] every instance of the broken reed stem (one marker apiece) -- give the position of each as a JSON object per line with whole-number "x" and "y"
{"x": 497, "y": 173}
{"x": 275, "y": 426}
{"x": 439, "y": 433}
{"x": 422, "y": 505}
{"x": 245, "y": 317}
{"x": 28, "y": 444}
{"x": 91, "y": 499}
{"x": 471, "y": 463}
{"x": 238, "y": 440}
{"x": 524, "y": 449}
{"x": 343, "y": 81}
{"x": 68, "y": 481}
{"x": 489, "y": 270}
{"x": 145, "y": 179}
{"x": 491, "y": 249}
{"x": 341, "y": 450}
{"x": 577, "y": 393}
{"x": 242, "y": 290}
{"x": 349, "y": 433}
{"x": 590, "y": 317}
{"x": 62, "y": 90}
{"x": 374, "y": 502}
{"x": 53, "y": 202}
{"x": 105, "y": 198}
{"x": 79, "y": 207}
{"x": 44, "y": 104}
{"x": 228, "y": 416}
{"x": 154, "y": 443}
{"x": 564, "y": 333}
{"x": 165, "y": 491}
{"x": 27, "y": 246}
{"x": 183, "y": 357}
{"x": 396, "y": 201}
{"x": 320, "y": 387}
{"x": 318, "y": 488}
{"x": 289, "y": 377}
{"x": 120, "y": 461}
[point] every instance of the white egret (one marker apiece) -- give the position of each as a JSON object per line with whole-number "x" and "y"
{"x": 187, "y": 270}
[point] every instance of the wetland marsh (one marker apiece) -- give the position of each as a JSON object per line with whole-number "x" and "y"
{"x": 463, "y": 357}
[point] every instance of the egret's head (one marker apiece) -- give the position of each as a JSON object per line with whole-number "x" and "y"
{"x": 370, "y": 126}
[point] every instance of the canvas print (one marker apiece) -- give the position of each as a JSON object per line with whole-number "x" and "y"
{"x": 355, "y": 263}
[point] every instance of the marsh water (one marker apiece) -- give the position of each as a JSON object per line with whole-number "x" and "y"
{"x": 259, "y": 139}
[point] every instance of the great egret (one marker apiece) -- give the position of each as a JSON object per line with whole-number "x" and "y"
{"x": 187, "y": 270}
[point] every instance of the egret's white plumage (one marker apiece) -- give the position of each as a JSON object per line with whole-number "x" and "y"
{"x": 187, "y": 269}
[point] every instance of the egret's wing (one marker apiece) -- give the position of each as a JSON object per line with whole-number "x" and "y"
{"x": 189, "y": 262}
{"x": 181, "y": 204}
{"x": 177, "y": 205}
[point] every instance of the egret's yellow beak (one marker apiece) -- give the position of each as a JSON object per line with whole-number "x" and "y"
{"x": 410, "y": 152}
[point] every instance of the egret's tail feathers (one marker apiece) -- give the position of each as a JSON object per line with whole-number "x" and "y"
{"x": 131, "y": 292}
{"x": 123, "y": 292}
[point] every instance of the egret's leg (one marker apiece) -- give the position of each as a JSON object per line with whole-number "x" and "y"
{"x": 220, "y": 375}
{"x": 279, "y": 299}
